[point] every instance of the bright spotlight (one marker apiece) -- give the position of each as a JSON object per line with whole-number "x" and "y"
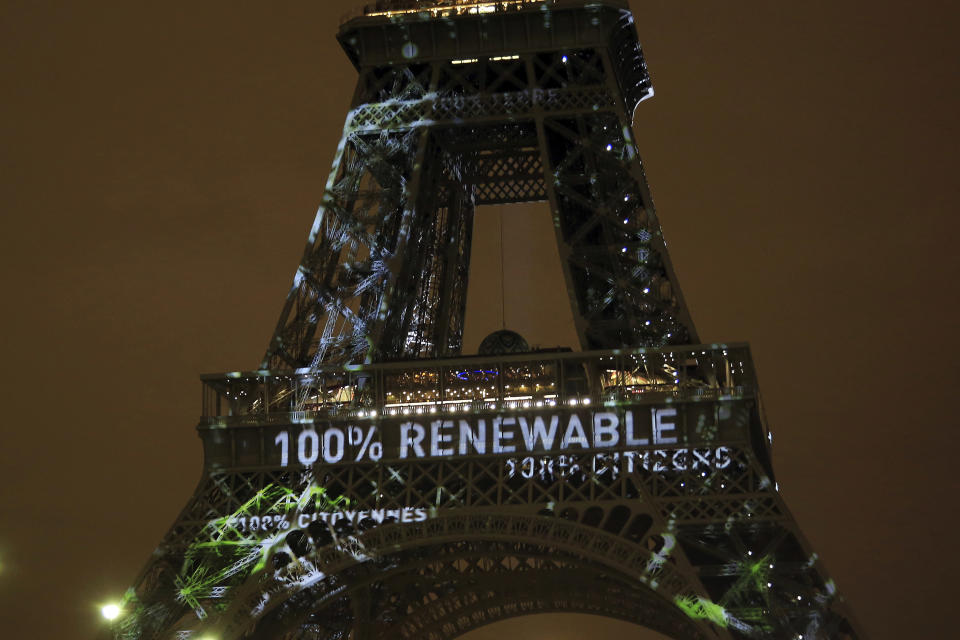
{"x": 110, "y": 611}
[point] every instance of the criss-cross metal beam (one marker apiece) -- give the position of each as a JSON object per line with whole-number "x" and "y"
{"x": 430, "y": 136}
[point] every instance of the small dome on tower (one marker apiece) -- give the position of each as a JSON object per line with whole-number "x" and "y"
{"x": 503, "y": 341}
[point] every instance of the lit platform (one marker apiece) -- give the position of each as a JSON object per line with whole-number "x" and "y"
{"x": 623, "y": 402}
{"x": 529, "y": 380}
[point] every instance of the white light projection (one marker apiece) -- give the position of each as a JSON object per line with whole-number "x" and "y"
{"x": 448, "y": 437}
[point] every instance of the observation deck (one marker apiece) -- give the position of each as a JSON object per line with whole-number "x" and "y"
{"x": 535, "y": 380}
{"x": 708, "y": 392}
{"x": 391, "y": 34}
{"x": 445, "y": 8}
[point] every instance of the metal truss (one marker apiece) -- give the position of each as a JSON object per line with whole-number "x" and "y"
{"x": 457, "y": 107}
{"x": 444, "y": 591}
{"x": 702, "y": 541}
{"x": 428, "y": 140}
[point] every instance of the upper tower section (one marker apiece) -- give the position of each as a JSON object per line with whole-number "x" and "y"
{"x": 393, "y": 32}
{"x": 466, "y": 103}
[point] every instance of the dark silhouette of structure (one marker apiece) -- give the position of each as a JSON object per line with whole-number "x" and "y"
{"x": 371, "y": 481}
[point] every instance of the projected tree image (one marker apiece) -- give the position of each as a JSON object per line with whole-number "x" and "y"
{"x": 370, "y": 480}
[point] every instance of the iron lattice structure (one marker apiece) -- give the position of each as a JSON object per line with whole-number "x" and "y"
{"x": 370, "y": 481}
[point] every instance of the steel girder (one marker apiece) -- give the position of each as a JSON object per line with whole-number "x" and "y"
{"x": 708, "y": 544}
{"x": 443, "y": 553}
{"x": 443, "y": 591}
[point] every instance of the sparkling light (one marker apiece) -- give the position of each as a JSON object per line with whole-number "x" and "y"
{"x": 110, "y": 611}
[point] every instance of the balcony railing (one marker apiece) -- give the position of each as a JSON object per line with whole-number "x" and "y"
{"x": 473, "y": 384}
{"x": 439, "y": 8}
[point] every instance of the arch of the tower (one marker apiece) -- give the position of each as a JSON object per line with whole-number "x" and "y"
{"x": 488, "y": 584}
{"x": 441, "y": 578}
{"x": 460, "y": 613}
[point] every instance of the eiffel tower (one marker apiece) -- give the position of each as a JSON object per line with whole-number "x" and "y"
{"x": 370, "y": 480}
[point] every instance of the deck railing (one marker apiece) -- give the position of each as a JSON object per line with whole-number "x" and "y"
{"x": 472, "y": 384}
{"x": 439, "y": 8}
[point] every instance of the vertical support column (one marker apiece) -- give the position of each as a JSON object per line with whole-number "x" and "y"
{"x": 399, "y": 262}
{"x": 448, "y": 329}
{"x": 580, "y": 324}
{"x": 361, "y": 605}
{"x": 297, "y": 322}
{"x": 636, "y": 171}
{"x": 619, "y": 277}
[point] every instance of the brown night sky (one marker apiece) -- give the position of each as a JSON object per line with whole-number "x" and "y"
{"x": 162, "y": 162}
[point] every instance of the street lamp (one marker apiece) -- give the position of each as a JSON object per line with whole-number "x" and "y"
{"x": 110, "y": 611}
